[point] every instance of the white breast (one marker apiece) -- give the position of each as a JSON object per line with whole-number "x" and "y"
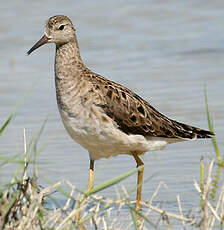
{"x": 102, "y": 138}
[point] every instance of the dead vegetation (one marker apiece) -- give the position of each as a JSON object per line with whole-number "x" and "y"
{"x": 23, "y": 206}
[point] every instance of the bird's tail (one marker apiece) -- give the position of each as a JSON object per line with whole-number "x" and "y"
{"x": 184, "y": 131}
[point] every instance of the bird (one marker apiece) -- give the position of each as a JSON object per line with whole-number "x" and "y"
{"x": 104, "y": 117}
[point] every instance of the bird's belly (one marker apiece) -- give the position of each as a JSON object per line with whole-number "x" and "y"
{"x": 102, "y": 138}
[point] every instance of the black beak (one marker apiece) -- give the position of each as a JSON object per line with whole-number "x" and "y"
{"x": 41, "y": 42}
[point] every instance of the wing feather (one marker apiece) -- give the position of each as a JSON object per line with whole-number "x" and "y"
{"x": 134, "y": 115}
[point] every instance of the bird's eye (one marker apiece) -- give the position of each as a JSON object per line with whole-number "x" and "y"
{"x": 61, "y": 27}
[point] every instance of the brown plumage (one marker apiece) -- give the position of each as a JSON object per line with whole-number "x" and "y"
{"x": 133, "y": 114}
{"x": 104, "y": 117}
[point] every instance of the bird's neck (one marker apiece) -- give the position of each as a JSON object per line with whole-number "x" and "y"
{"x": 68, "y": 74}
{"x": 68, "y": 62}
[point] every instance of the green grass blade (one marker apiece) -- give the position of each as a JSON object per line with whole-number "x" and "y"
{"x": 20, "y": 160}
{"x": 108, "y": 183}
{"x": 6, "y": 123}
{"x": 38, "y": 137}
{"x": 113, "y": 181}
{"x": 134, "y": 218}
{"x": 13, "y": 111}
{"x": 215, "y": 145}
{"x": 138, "y": 214}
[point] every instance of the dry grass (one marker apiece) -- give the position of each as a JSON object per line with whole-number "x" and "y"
{"x": 23, "y": 206}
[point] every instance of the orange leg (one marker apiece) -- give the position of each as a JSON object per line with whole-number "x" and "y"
{"x": 91, "y": 176}
{"x": 139, "y": 182}
{"x": 89, "y": 187}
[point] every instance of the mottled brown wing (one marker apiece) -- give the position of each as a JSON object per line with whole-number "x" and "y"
{"x": 134, "y": 115}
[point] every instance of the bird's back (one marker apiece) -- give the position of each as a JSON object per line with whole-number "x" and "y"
{"x": 134, "y": 115}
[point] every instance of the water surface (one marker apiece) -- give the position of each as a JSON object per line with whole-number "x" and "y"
{"x": 164, "y": 51}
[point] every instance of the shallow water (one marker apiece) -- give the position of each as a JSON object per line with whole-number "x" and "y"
{"x": 164, "y": 51}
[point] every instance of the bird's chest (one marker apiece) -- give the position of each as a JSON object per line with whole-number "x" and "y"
{"x": 88, "y": 127}
{"x": 99, "y": 135}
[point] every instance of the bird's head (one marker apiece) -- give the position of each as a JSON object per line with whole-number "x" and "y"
{"x": 59, "y": 30}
